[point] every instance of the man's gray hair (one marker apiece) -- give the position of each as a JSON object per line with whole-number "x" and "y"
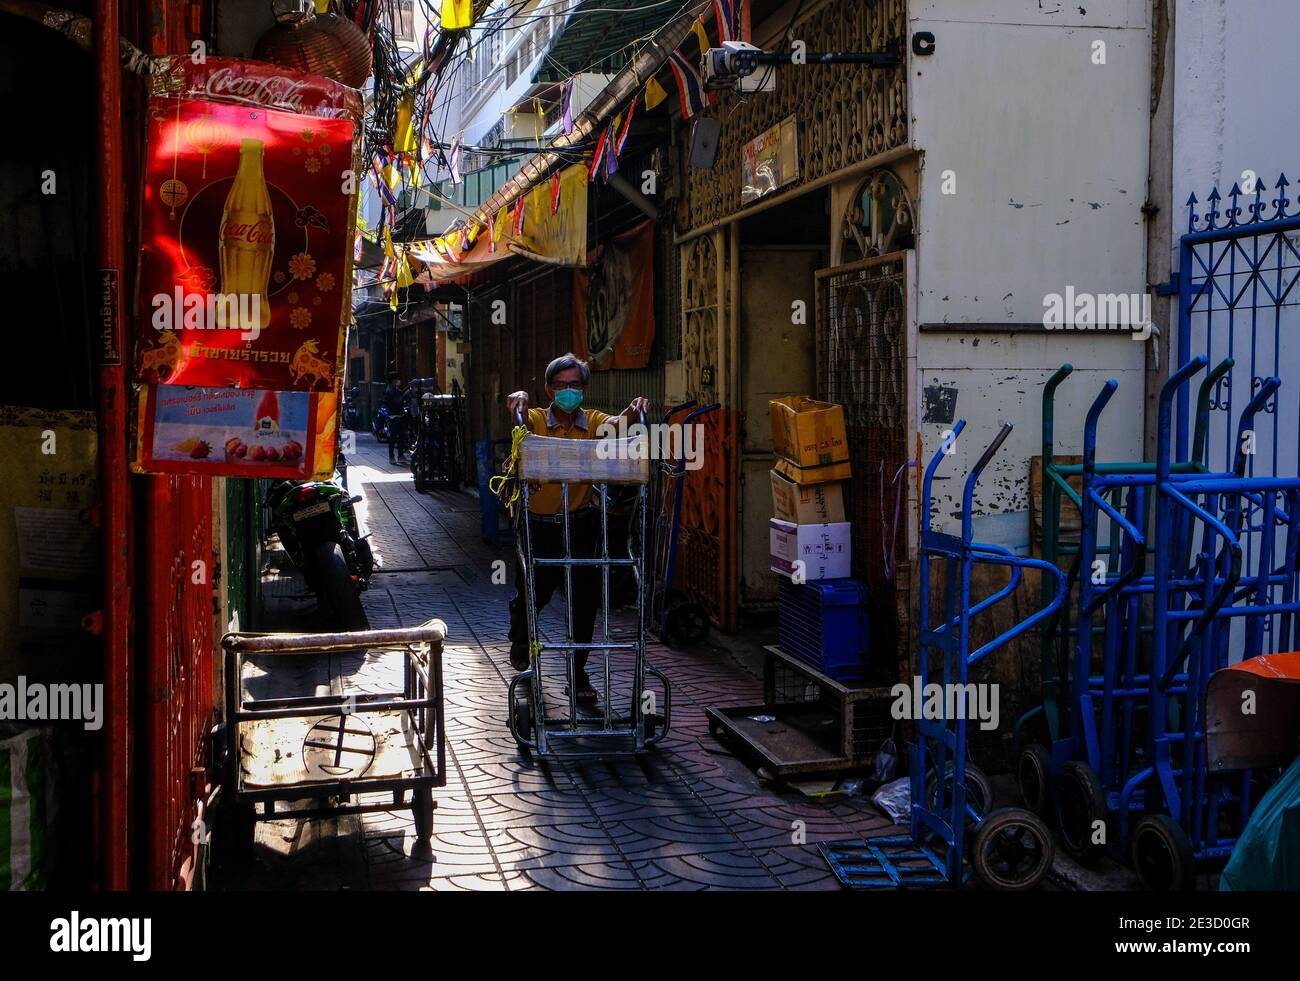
{"x": 563, "y": 363}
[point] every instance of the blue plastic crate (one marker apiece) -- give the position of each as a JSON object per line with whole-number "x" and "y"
{"x": 825, "y": 624}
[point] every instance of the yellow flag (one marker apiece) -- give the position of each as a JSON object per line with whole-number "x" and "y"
{"x": 654, "y": 93}
{"x": 404, "y": 277}
{"x": 457, "y": 14}
{"x": 388, "y": 243}
{"x": 404, "y": 131}
{"x": 698, "y": 28}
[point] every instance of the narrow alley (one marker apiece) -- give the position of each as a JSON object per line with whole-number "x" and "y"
{"x": 688, "y": 815}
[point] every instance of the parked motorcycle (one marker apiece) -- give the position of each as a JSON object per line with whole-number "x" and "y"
{"x": 352, "y": 411}
{"x": 317, "y": 525}
{"x": 379, "y": 424}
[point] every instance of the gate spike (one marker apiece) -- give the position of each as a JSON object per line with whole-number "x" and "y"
{"x": 1234, "y": 210}
{"x": 1191, "y": 211}
{"x": 1281, "y": 201}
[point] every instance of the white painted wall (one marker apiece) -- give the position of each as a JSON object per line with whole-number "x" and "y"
{"x": 1235, "y": 78}
{"x": 1049, "y": 153}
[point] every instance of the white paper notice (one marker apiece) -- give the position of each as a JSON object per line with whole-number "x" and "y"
{"x": 54, "y": 542}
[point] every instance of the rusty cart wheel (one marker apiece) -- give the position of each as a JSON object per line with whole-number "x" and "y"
{"x": 1162, "y": 855}
{"x": 1034, "y": 775}
{"x": 1081, "y": 812}
{"x": 422, "y": 812}
{"x": 1012, "y": 850}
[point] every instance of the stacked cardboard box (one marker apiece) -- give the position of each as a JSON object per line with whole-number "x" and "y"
{"x": 807, "y": 488}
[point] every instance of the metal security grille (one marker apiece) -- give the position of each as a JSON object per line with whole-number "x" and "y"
{"x": 1238, "y": 272}
{"x": 861, "y": 341}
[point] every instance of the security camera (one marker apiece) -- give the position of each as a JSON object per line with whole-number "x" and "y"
{"x": 733, "y": 66}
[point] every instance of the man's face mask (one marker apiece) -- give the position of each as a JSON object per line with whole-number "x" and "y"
{"x": 568, "y": 399}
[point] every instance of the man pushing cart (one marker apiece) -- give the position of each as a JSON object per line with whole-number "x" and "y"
{"x": 564, "y": 541}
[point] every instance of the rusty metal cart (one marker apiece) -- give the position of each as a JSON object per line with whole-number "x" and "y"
{"x": 332, "y": 748}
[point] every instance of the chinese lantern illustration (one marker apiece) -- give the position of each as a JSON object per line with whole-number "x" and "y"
{"x": 203, "y": 135}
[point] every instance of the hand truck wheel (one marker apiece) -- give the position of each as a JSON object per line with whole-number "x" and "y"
{"x": 1162, "y": 855}
{"x": 1012, "y": 850}
{"x": 523, "y": 710}
{"x": 688, "y": 624}
{"x": 1081, "y": 812}
{"x": 1034, "y": 775}
{"x": 979, "y": 792}
{"x": 422, "y": 812}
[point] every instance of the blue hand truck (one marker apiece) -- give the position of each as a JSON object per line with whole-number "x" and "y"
{"x": 1010, "y": 848}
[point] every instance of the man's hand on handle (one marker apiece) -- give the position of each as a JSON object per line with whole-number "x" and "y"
{"x": 517, "y": 404}
{"x": 638, "y": 408}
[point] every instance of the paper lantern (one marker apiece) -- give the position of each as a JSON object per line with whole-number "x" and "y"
{"x": 323, "y": 43}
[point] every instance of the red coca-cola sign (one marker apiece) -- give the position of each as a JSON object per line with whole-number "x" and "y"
{"x": 248, "y": 220}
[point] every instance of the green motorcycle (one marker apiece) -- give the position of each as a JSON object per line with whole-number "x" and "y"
{"x": 317, "y": 525}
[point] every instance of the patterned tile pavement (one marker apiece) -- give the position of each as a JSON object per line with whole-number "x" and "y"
{"x": 687, "y": 815}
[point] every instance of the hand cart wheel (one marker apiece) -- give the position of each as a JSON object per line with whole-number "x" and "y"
{"x": 1081, "y": 812}
{"x": 687, "y": 624}
{"x": 979, "y": 792}
{"x": 1162, "y": 855}
{"x": 1012, "y": 850}
{"x": 523, "y": 719}
{"x": 422, "y": 812}
{"x": 1034, "y": 775}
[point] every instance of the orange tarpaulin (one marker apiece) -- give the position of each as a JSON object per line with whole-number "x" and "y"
{"x": 613, "y": 302}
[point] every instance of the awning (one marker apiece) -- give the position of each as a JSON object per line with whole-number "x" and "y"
{"x": 602, "y": 43}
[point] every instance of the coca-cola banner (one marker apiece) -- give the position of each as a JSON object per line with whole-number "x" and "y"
{"x": 249, "y": 207}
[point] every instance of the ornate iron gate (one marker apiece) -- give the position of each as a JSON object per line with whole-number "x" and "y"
{"x": 707, "y": 567}
{"x": 861, "y": 356}
{"x": 1237, "y": 298}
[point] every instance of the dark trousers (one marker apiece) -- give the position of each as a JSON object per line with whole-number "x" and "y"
{"x": 548, "y": 542}
{"x": 396, "y": 437}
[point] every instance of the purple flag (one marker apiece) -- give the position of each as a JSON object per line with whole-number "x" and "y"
{"x": 566, "y": 100}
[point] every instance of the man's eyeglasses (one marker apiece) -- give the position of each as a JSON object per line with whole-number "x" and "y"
{"x": 560, "y": 386}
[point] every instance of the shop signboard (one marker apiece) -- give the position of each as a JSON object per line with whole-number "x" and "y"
{"x": 769, "y": 161}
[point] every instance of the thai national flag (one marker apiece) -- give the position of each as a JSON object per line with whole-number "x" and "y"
{"x": 519, "y": 217}
{"x": 385, "y": 191}
{"x": 599, "y": 156}
{"x": 727, "y": 15}
{"x": 690, "y": 87}
{"x": 617, "y": 148}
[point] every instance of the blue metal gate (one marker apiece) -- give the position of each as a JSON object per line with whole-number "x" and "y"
{"x": 1237, "y": 298}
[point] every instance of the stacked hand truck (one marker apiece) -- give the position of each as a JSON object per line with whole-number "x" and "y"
{"x": 1010, "y": 848}
{"x": 674, "y": 617}
{"x": 1179, "y": 571}
{"x": 436, "y": 461}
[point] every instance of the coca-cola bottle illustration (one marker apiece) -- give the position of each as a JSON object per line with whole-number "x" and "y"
{"x": 247, "y": 245}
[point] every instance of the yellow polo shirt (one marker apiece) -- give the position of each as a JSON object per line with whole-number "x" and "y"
{"x": 547, "y": 498}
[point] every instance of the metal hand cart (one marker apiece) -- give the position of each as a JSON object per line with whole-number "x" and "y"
{"x": 1136, "y": 746}
{"x": 436, "y": 461}
{"x": 1040, "y": 757}
{"x": 674, "y": 617}
{"x": 1010, "y": 848}
{"x": 606, "y": 732}
{"x": 333, "y": 748}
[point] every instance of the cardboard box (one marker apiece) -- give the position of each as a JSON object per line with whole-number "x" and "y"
{"x": 813, "y": 475}
{"x": 823, "y": 549}
{"x": 808, "y": 433}
{"x": 807, "y": 504}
